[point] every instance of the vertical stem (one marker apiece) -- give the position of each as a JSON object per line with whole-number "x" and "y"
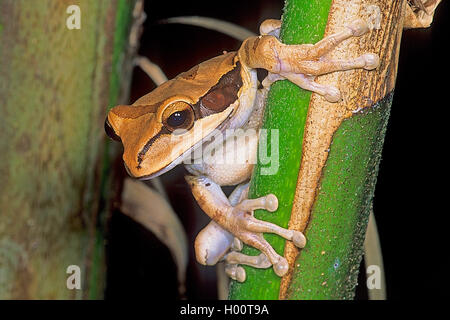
{"x": 303, "y": 21}
{"x": 329, "y": 153}
{"x": 55, "y": 87}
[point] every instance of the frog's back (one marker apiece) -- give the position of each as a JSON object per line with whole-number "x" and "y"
{"x": 193, "y": 83}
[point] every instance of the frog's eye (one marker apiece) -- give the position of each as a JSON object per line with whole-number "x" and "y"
{"x": 178, "y": 115}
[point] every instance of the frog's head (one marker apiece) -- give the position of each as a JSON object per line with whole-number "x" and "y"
{"x": 163, "y": 127}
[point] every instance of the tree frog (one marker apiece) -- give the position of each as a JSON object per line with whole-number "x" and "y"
{"x": 173, "y": 122}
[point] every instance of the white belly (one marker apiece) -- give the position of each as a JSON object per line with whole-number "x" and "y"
{"x": 229, "y": 162}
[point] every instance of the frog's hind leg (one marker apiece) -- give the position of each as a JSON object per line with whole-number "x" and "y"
{"x": 214, "y": 244}
{"x": 239, "y": 219}
{"x": 269, "y": 203}
{"x": 255, "y": 229}
{"x": 235, "y": 258}
{"x": 253, "y": 236}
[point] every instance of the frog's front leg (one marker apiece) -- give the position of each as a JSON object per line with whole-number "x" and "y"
{"x": 239, "y": 219}
{"x": 302, "y": 63}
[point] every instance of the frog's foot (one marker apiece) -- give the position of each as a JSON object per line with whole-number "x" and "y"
{"x": 250, "y": 230}
{"x": 214, "y": 244}
{"x": 302, "y": 63}
{"x": 314, "y": 52}
{"x": 330, "y": 93}
{"x": 239, "y": 220}
{"x": 367, "y": 61}
{"x": 235, "y": 258}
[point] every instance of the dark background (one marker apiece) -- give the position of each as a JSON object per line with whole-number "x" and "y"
{"x": 410, "y": 192}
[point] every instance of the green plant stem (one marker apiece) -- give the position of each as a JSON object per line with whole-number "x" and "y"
{"x": 303, "y": 21}
{"x": 327, "y": 268}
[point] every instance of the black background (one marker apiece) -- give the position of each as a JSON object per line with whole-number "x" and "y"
{"x": 411, "y": 190}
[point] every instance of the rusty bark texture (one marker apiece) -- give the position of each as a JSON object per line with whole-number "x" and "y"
{"x": 55, "y": 87}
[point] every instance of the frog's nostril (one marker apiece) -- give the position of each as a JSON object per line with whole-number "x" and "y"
{"x": 110, "y": 131}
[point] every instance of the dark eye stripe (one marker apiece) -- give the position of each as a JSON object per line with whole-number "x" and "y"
{"x": 149, "y": 143}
